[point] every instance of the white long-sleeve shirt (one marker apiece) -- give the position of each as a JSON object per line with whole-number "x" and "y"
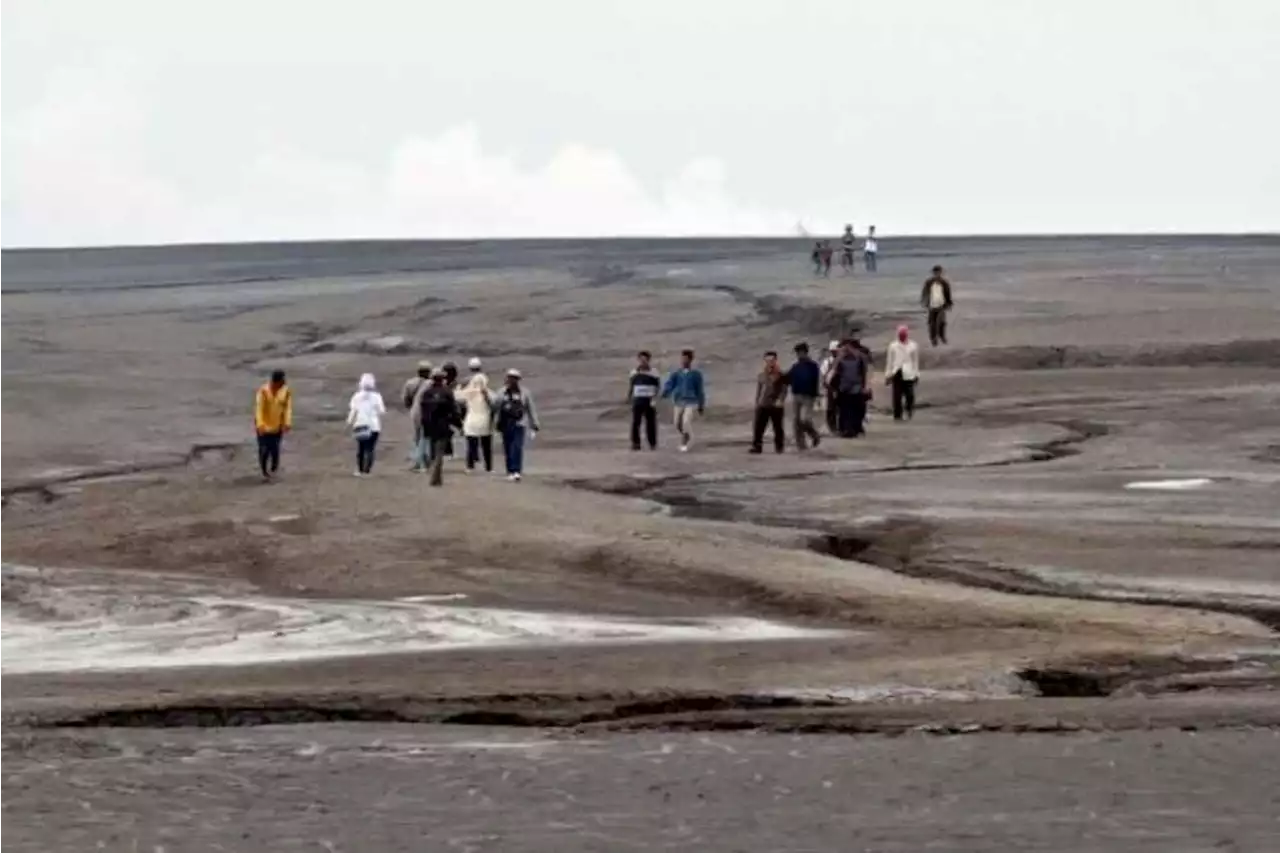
{"x": 904, "y": 357}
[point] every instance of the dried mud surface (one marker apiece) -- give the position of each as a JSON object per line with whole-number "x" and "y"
{"x": 986, "y": 569}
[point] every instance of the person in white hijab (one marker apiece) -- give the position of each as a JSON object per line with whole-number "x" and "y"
{"x": 477, "y": 424}
{"x": 365, "y": 420}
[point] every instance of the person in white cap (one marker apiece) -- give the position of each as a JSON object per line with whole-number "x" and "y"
{"x": 825, "y": 370}
{"x": 477, "y": 422}
{"x": 517, "y": 419}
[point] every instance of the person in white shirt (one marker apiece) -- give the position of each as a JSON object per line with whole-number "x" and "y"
{"x": 825, "y": 368}
{"x": 365, "y": 419}
{"x": 869, "y": 249}
{"x": 901, "y": 371}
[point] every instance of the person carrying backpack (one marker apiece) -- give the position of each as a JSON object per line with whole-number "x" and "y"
{"x": 517, "y": 421}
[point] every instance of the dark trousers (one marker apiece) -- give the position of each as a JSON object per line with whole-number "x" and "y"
{"x": 802, "y": 421}
{"x": 937, "y": 326}
{"x": 366, "y": 447}
{"x": 513, "y": 448}
{"x": 869, "y": 259}
{"x": 436, "y": 465}
{"x": 904, "y": 396}
{"x": 644, "y": 410}
{"x": 853, "y": 411}
{"x": 768, "y": 416}
{"x": 833, "y": 413}
{"x": 477, "y": 446}
{"x": 269, "y": 452}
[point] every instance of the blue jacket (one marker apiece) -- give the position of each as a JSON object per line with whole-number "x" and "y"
{"x": 805, "y": 378}
{"x": 685, "y": 388}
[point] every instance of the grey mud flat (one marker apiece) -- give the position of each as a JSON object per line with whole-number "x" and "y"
{"x": 1060, "y": 583}
{"x": 403, "y": 788}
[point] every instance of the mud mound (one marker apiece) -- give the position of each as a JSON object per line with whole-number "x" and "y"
{"x": 1260, "y": 353}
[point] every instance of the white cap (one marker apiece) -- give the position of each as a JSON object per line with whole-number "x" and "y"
{"x": 833, "y": 345}
{"x": 513, "y": 373}
{"x": 474, "y": 363}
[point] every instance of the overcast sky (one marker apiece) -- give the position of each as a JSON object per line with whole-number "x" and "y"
{"x": 139, "y": 121}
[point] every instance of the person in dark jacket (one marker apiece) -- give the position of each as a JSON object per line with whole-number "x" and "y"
{"x": 771, "y": 400}
{"x": 805, "y": 381}
{"x": 850, "y": 382}
{"x": 935, "y": 296}
{"x": 643, "y": 386}
{"x": 439, "y": 415}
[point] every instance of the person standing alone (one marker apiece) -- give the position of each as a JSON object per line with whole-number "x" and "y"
{"x": 805, "y": 381}
{"x": 688, "y": 394}
{"x": 901, "y": 370}
{"x": 848, "y": 245}
{"x": 771, "y": 400}
{"x": 643, "y": 385}
{"x": 365, "y": 419}
{"x": 517, "y": 421}
{"x": 936, "y": 297}
{"x": 870, "y": 248}
{"x": 272, "y": 418}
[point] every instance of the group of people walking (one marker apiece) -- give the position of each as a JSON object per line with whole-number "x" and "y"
{"x": 822, "y": 253}
{"x": 439, "y": 403}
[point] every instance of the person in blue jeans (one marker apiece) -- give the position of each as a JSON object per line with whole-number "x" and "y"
{"x": 517, "y": 421}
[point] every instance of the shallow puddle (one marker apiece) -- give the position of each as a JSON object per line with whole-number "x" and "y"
{"x": 69, "y": 621}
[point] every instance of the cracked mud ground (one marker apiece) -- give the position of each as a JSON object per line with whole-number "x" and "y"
{"x": 992, "y": 572}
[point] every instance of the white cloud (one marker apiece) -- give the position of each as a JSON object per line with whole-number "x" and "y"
{"x": 79, "y": 171}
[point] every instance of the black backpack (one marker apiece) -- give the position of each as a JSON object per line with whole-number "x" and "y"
{"x": 511, "y": 410}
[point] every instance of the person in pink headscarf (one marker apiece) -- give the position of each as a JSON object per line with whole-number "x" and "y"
{"x": 901, "y": 371}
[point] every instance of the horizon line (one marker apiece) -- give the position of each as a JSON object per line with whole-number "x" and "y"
{"x": 315, "y": 241}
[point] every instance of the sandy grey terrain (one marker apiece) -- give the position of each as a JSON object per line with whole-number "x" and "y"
{"x": 1002, "y": 563}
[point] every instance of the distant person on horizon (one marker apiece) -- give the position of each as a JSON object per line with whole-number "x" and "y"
{"x": 771, "y": 400}
{"x": 816, "y": 257}
{"x": 901, "y": 371}
{"x": 688, "y": 394}
{"x": 421, "y": 447}
{"x": 936, "y": 298}
{"x": 804, "y": 378}
{"x": 272, "y": 418}
{"x": 826, "y": 258}
{"x": 870, "y": 248}
{"x": 848, "y": 244}
{"x": 364, "y": 416}
{"x": 517, "y": 421}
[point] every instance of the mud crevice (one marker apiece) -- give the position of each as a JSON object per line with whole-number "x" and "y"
{"x": 540, "y": 710}
{"x": 45, "y": 489}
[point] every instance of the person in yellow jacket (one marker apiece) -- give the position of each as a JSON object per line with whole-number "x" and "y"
{"x": 272, "y": 418}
